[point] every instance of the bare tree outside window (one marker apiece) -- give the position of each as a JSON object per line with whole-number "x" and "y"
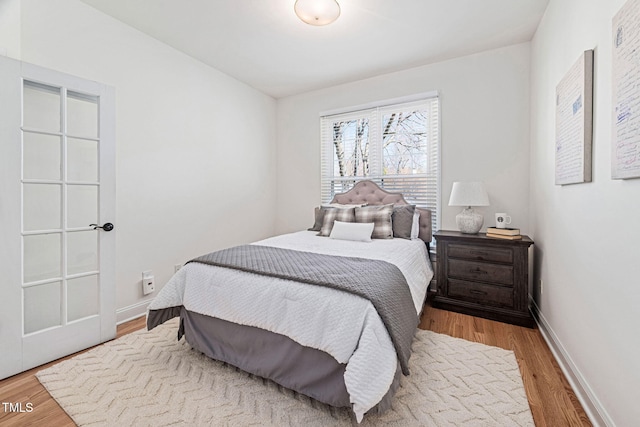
{"x": 404, "y": 145}
{"x": 351, "y": 143}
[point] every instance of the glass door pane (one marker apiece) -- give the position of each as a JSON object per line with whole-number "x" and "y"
{"x": 82, "y": 160}
{"x": 42, "y": 206}
{"x": 41, "y": 104}
{"x": 42, "y": 307}
{"x": 82, "y": 205}
{"x": 82, "y": 297}
{"x": 82, "y": 115}
{"x": 42, "y": 157}
{"x": 42, "y": 257}
{"x": 82, "y": 252}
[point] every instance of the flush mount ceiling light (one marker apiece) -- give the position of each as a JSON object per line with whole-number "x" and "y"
{"x": 317, "y": 12}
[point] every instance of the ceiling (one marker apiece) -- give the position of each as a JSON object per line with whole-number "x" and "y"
{"x": 264, "y": 44}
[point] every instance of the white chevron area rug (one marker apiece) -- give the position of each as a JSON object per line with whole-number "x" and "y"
{"x": 150, "y": 379}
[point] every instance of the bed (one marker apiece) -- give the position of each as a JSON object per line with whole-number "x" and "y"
{"x": 342, "y": 348}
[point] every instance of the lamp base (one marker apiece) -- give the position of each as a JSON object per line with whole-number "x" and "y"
{"x": 469, "y": 221}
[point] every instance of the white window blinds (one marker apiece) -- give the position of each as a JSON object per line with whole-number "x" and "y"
{"x": 396, "y": 146}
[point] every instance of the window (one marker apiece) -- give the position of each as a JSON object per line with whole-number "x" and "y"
{"x": 396, "y": 146}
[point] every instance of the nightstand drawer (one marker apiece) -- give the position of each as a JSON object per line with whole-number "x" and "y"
{"x": 484, "y": 272}
{"x": 480, "y": 293}
{"x": 481, "y": 253}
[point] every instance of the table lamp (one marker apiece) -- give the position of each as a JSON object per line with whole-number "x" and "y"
{"x": 469, "y": 194}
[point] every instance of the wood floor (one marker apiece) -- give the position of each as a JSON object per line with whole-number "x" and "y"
{"x": 551, "y": 399}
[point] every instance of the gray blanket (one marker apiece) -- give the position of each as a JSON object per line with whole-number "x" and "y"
{"x": 378, "y": 281}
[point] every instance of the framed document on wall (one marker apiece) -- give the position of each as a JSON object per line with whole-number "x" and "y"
{"x": 625, "y": 140}
{"x": 574, "y": 122}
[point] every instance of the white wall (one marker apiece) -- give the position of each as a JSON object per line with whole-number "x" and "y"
{"x": 195, "y": 148}
{"x": 10, "y": 28}
{"x": 485, "y": 132}
{"x": 586, "y": 235}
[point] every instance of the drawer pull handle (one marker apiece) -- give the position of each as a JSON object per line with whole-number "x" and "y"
{"x": 477, "y": 270}
{"x": 478, "y": 253}
{"x": 475, "y": 292}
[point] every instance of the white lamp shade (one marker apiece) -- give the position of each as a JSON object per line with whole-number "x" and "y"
{"x": 317, "y": 12}
{"x": 468, "y": 194}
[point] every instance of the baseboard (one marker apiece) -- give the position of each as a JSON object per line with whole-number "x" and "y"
{"x": 595, "y": 411}
{"x": 131, "y": 312}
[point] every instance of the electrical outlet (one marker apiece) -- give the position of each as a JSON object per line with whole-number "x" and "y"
{"x": 148, "y": 284}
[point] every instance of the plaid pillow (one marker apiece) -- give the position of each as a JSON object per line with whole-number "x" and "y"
{"x": 380, "y": 215}
{"x": 335, "y": 214}
{"x": 319, "y": 213}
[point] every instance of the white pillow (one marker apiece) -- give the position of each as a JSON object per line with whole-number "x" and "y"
{"x": 415, "y": 226}
{"x": 356, "y": 231}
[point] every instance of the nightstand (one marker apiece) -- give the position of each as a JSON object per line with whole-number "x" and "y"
{"x": 484, "y": 276}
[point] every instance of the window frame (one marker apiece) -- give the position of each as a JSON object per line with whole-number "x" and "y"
{"x": 374, "y": 112}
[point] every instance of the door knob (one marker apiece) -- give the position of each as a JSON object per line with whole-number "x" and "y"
{"x": 106, "y": 227}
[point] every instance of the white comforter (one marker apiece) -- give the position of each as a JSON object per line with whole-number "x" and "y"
{"x": 341, "y": 324}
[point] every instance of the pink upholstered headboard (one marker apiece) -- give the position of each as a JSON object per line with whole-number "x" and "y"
{"x": 368, "y": 192}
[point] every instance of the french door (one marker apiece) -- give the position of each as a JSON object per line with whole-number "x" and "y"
{"x": 57, "y": 208}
